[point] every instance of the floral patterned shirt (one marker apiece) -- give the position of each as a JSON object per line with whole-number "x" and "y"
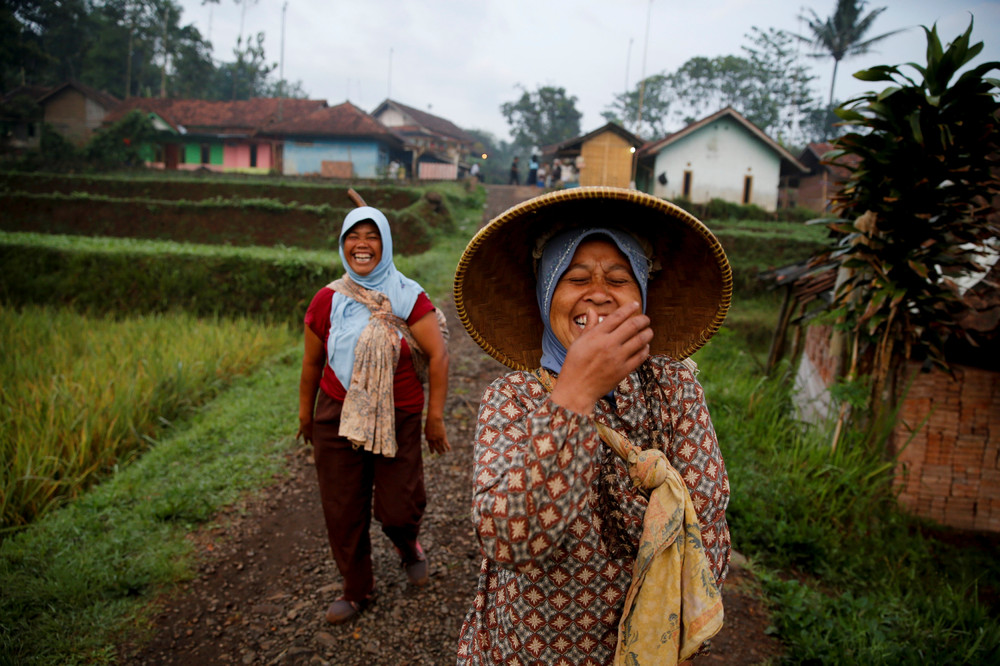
{"x": 548, "y": 592}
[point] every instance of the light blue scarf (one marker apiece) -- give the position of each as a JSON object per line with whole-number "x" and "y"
{"x": 555, "y": 260}
{"x": 348, "y": 317}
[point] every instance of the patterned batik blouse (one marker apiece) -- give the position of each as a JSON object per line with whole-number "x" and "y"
{"x": 548, "y": 592}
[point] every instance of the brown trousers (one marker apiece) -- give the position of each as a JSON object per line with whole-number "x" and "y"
{"x": 350, "y": 478}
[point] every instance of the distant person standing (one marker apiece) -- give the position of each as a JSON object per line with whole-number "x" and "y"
{"x": 474, "y": 171}
{"x": 532, "y": 171}
{"x": 541, "y": 176}
{"x": 515, "y": 178}
{"x": 556, "y": 174}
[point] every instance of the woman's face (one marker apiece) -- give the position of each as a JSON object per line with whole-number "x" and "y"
{"x": 363, "y": 247}
{"x": 599, "y": 277}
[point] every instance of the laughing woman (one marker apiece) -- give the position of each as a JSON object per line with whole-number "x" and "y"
{"x": 600, "y": 491}
{"x": 371, "y": 339}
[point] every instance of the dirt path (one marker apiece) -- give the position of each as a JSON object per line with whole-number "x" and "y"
{"x": 266, "y": 574}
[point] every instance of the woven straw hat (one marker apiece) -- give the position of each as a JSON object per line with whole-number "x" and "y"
{"x": 687, "y": 298}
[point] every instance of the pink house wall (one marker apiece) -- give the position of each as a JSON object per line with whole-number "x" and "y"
{"x": 237, "y": 156}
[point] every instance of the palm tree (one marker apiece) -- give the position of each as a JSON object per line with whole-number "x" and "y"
{"x": 842, "y": 35}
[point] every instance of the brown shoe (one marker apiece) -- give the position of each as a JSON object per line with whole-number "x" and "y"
{"x": 416, "y": 570}
{"x": 343, "y": 610}
{"x": 416, "y": 573}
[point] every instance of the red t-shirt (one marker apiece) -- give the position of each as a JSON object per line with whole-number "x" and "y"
{"x": 407, "y": 392}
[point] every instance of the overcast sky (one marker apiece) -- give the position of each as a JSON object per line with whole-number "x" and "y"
{"x": 462, "y": 59}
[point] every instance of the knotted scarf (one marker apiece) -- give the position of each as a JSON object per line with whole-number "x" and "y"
{"x": 673, "y": 604}
{"x": 369, "y": 415}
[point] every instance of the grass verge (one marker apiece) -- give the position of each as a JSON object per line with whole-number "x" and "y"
{"x": 851, "y": 579}
{"x": 75, "y": 578}
{"x": 82, "y": 396}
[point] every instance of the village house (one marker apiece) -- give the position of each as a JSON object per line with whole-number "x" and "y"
{"x": 438, "y": 148}
{"x": 335, "y": 142}
{"x": 214, "y": 135}
{"x": 723, "y": 156}
{"x": 73, "y": 110}
{"x": 814, "y": 189}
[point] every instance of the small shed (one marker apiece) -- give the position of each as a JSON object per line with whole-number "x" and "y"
{"x": 605, "y": 156}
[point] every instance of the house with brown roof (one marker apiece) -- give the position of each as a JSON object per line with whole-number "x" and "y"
{"x": 438, "y": 148}
{"x": 814, "y": 189}
{"x": 21, "y": 118}
{"x": 72, "y": 109}
{"x": 216, "y": 135}
{"x": 723, "y": 156}
{"x": 336, "y": 142}
{"x": 76, "y": 111}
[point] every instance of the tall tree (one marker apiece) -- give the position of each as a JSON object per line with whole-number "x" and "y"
{"x": 248, "y": 76}
{"x": 781, "y": 99}
{"x": 842, "y": 35}
{"x": 49, "y": 39}
{"x": 656, "y": 104}
{"x": 543, "y": 117}
{"x": 705, "y": 85}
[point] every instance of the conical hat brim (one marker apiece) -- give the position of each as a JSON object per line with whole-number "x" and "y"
{"x": 687, "y": 298}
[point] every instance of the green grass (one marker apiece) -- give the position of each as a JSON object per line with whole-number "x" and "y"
{"x": 851, "y": 579}
{"x": 82, "y": 396}
{"x": 77, "y": 577}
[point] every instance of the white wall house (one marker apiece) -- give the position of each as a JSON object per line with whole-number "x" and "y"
{"x": 723, "y": 156}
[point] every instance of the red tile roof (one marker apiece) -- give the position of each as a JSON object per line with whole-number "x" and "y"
{"x": 343, "y": 120}
{"x": 240, "y": 116}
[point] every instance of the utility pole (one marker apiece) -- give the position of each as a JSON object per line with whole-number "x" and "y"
{"x": 628, "y": 60}
{"x": 388, "y": 87}
{"x": 642, "y": 85}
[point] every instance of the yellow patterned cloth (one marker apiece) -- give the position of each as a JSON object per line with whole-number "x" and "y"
{"x": 673, "y": 604}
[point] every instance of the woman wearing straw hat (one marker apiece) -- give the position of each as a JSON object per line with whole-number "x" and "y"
{"x": 371, "y": 338}
{"x": 599, "y": 488}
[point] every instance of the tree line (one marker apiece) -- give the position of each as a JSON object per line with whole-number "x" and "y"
{"x": 128, "y": 48}
{"x": 142, "y": 48}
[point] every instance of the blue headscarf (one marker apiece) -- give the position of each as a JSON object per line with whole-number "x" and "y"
{"x": 555, "y": 260}
{"x": 348, "y": 317}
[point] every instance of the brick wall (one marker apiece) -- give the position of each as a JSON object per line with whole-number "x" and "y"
{"x": 949, "y": 436}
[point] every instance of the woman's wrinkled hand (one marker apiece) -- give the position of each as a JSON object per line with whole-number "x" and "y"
{"x": 604, "y": 354}
{"x": 437, "y": 438}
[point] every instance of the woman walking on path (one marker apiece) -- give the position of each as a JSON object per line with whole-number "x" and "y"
{"x": 599, "y": 487}
{"x": 371, "y": 339}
